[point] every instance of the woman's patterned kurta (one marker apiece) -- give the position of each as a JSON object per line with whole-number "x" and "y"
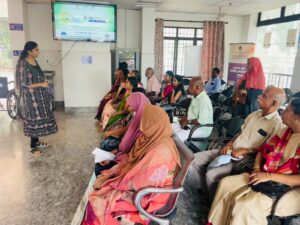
{"x": 39, "y": 120}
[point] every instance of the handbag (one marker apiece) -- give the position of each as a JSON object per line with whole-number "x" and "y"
{"x": 239, "y": 97}
{"x": 272, "y": 189}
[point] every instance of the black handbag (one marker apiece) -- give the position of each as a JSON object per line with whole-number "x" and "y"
{"x": 272, "y": 189}
{"x": 110, "y": 143}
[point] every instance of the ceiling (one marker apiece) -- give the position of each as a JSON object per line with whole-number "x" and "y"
{"x": 228, "y": 7}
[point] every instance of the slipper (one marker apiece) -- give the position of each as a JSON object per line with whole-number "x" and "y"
{"x": 42, "y": 145}
{"x": 36, "y": 152}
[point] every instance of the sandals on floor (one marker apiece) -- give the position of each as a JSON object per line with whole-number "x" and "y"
{"x": 36, "y": 152}
{"x": 42, "y": 145}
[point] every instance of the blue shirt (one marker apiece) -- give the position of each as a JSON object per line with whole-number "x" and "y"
{"x": 213, "y": 86}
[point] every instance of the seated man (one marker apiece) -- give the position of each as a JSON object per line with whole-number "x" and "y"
{"x": 152, "y": 83}
{"x": 214, "y": 83}
{"x": 257, "y": 129}
{"x": 200, "y": 112}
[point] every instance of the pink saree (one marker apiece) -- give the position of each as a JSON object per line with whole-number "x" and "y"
{"x": 116, "y": 198}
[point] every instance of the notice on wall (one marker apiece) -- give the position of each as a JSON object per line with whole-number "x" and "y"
{"x": 267, "y": 39}
{"x": 16, "y": 26}
{"x": 87, "y": 59}
{"x": 291, "y": 38}
{"x": 239, "y": 54}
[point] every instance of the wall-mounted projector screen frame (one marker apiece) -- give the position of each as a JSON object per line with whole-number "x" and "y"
{"x": 84, "y": 32}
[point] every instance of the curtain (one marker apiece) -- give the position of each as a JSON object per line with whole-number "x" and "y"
{"x": 159, "y": 49}
{"x": 212, "y": 54}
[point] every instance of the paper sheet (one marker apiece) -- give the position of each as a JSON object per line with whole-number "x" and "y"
{"x": 101, "y": 155}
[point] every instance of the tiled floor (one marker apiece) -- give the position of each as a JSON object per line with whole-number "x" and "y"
{"x": 47, "y": 190}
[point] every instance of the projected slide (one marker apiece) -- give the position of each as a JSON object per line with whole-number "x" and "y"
{"x": 89, "y": 22}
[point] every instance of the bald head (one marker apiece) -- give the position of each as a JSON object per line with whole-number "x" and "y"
{"x": 196, "y": 86}
{"x": 197, "y": 81}
{"x": 276, "y": 94}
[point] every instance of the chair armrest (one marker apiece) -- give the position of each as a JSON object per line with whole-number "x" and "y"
{"x": 215, "y": 143}
{"x": 141, "y": 193}
{"x": 194, "y": 128}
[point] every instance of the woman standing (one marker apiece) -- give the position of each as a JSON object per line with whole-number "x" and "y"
{"x": 251, "y": 85}
{"x": 39, "y": 120}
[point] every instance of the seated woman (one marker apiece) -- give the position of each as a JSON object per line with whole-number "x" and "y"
{"x": 136, "y": 74}
{"x": 247, "y": 199}
{"x": 178, "y": 90}
{"x": 152, "y": 162}
{"x": 120, "y": 77}
{"x": 136, "y": 103}
{"x": 113, "y": 111}
{"x": 167, "y": 89}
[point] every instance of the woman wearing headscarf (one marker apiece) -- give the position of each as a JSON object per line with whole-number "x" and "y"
{"x": 136, "y": 104}
{"x": 248, "y": 198}
{"x": 152, "y": 162}
{"x": 39, "y": 120}
{"x": 251, "y": 85}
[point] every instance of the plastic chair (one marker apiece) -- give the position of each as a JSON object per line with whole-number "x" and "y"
{"x": 161, "y": 216}
{"x": 296, "y": 95}
{"x": 288, "y": 94}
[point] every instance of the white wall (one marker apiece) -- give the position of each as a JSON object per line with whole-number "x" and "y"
{"x": 17, "y": 13}
{"x": 128, "y": 26}
{"x": 233, "y": 30}
{"x": 84, "y": 84}
{"x": 40, "y": 31}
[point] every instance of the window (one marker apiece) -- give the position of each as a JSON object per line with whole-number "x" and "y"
{"x": 271, "y": 14}
{"x": 176, "y": 39}
{"x": 278, "y": 59}
{"x": 292, "y": 9}
{"x": 279, "y": 15}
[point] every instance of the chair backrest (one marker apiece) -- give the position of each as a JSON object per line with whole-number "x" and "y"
{"x": 186, "y": 158}
{"x": 228, "y": 92}
{"x": 233, "y": 126}
{"x": 214, "y": 97}
{"x": 296, "y": 95}
{"x": 185, "y": 103}
{"x": 186, "y": 82}
{"x": 288, "y": 94}
{"x": 218, "y": 112}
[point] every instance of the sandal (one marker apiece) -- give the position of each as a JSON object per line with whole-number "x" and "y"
{"x": 42, "y": 145}
{"x": 36, "y": 152}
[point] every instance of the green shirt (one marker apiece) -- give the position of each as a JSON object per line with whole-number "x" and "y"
{"x": 201, "y": 109}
